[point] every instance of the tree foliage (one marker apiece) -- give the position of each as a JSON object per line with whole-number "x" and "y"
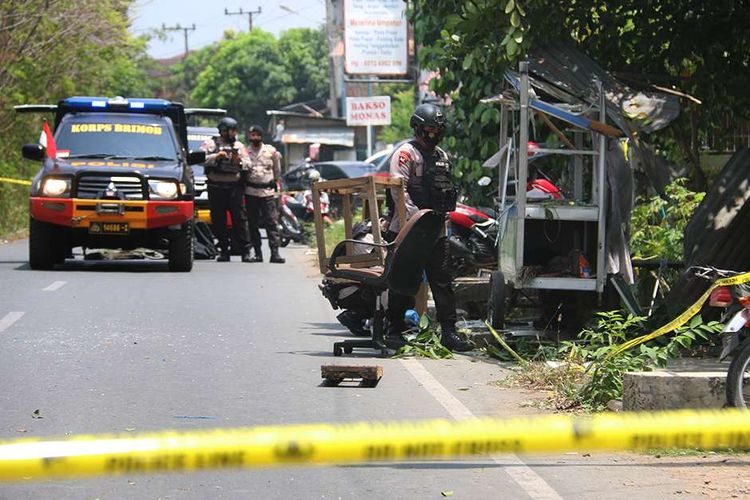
{"x": 402, "y": 107}
{"x": 697, "y": 47}
{"x": 250, "y": 73}
{"x": 52, "y": 49}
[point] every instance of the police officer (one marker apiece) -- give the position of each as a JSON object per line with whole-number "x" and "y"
{"x": 264, "y": 164}
{"x": 226, "y": 158}
{"x": 425, "y": 171}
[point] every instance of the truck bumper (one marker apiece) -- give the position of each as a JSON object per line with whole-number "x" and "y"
{"x": 80, "y": 213}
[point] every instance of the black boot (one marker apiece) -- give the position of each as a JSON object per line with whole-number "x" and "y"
{"x": 394, "y": 337}
{"x": 354, "y": 321}
{"x": 275, "y": 257}
{"x": 223, "y": 256}
{"x": 450, "y": 339}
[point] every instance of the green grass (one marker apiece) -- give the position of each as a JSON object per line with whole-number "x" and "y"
{"x": 14, "y": 209}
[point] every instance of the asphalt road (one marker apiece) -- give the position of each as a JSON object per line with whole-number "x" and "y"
{"x": 102, "y": 347}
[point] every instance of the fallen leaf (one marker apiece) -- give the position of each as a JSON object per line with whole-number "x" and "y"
{"x": 463, "y": 388}
{"x": 447, "y": 493}
{"x": 36, "y": 414}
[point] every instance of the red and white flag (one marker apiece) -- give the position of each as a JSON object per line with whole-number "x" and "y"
{"x": 48, "y": 141}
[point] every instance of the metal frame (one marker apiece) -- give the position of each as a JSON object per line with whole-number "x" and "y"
{"x": 514, "y": 215}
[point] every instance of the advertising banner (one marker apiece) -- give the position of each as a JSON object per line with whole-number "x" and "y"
{"x": 362, "y": 111}
{"x": 375, "y": 37}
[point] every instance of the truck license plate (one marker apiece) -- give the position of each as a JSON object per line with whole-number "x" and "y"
{"x": 109, "y": 228}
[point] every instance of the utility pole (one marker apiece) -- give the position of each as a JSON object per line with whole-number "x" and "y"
{"x": 241, "y": 12}
{"x": 177, "y": 27}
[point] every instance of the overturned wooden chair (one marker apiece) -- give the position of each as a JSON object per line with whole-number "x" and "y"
{"x": 402, "y": 271}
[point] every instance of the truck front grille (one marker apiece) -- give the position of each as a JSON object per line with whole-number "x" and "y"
{"x": 95, "y": 187}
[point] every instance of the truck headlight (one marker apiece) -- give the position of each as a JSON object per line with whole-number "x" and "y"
{"x": 55, "y": 187}
{"x": 166, "y": 190}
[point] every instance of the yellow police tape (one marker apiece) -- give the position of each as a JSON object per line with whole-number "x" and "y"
{"x": 684, "y": 317}
{"x": 10, "y": 180}
{"x": 325, "y": 444}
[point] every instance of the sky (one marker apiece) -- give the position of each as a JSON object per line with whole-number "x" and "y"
{"x": 211, "y": 22}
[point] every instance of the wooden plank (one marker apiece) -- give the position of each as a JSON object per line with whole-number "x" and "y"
{"x": 356, "y": 182}
{"x": 400, "y": 203}
{"x": 347, "y": 200}
{"x": 319, "y": 234}
{"x": 374, "y": 215}
{"x": 337, "y": 373}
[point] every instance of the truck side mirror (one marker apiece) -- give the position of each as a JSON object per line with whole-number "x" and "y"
{"x": 195, "y": 157}
{"x": 34, "y": 152}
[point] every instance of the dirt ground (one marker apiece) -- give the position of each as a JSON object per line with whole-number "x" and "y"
{"x": 713, "y": 475}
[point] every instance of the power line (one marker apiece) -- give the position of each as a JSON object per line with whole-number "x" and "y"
{"x": 241, "y": 12}
{"x": 177, "y": 27}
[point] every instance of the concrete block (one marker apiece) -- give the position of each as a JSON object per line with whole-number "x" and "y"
{"x": 669, "y": 389}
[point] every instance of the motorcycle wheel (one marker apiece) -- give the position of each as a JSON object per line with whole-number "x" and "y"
{"x": 290, "y": 227}
{"x": 496, "y": 300}
{"x": 738, "y": 387}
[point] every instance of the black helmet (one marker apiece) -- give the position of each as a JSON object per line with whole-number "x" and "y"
{"x": 427, "y": 115}
{"x": 256, "y": 129}
{"x": 227, "y": 123}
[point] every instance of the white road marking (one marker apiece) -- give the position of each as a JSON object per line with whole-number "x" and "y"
{"x": 9, "y": 319}
{"x": 531, "y": 482}
{"x": 54, "y": 286}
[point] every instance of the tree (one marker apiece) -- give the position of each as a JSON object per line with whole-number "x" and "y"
{"x": 402, "y": 107}
{"x": 51, "y": 49}
{"x": 697, "y": 47}
{"x": 253, "y": 72}
{"x": 305, "y": 56}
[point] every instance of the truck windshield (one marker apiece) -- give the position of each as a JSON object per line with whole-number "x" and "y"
{"x": 122, "y": 136}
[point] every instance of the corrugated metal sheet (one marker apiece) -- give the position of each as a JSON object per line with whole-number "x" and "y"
{"x": 565, "y": 68}
{"x": 717, "y": 233}
{"x": 337, "y": 136}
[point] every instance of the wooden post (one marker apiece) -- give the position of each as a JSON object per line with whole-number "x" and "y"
{"x": 319, "y": 235}
{"x": 374, "y": 214}
{"x": 347, "y": 199}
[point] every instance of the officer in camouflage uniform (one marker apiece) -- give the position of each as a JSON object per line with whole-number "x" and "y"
{"x": 226, "y": 159}
{"x": 425, "y": 170}
{"x": 260, "y": 193}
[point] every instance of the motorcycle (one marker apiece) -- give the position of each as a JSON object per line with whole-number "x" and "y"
{"x": 735, "y": 304}
{"x": 301, "y": 205}
{"x": 473, "y": 239}
{"x": 734, "y": 301}
{"x": 290, "y": 228}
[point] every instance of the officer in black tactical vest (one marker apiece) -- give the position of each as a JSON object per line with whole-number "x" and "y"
{"x": 226, "y": 159}
{"x": 427, "y": 183}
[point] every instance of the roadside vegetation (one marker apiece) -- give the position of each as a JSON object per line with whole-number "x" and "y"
{"x": 587, "y": 373}
{"x": 51, "y": 49}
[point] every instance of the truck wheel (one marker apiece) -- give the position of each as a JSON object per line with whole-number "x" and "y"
{"x": 44, "y": 245}
{"x": 496, "y": 300}
{"x": 181, "y": 249}
{"x": 736, "y": 382}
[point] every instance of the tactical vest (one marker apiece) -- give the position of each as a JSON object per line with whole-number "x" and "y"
{"x": 437, "y": 190}
{"x": 224, "y": 165}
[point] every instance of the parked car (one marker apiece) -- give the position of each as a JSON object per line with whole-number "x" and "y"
{"x": 296, "y": 179}
{"x": 196, "y": 137}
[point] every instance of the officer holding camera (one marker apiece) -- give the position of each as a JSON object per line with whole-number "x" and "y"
{"x": 226, "y": 159}
{"x": 264, "y": 168}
